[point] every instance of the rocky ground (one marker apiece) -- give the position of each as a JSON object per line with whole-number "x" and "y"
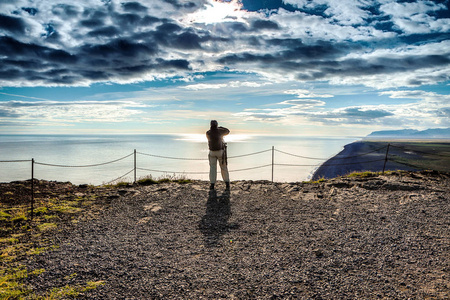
{"x": 380, "y": 237}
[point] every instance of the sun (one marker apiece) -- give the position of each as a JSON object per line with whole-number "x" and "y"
{"x": 217, "y": 11}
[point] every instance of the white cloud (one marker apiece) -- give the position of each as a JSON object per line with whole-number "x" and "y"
{"x": 216, "y": 12}
{"x": 303, "y": 103}
{"x": 80, "y": 43}
{"x": 347, "y": 12}
{"x": 204, "y": 86}
{"x": 301, "y": 93}
{"x": 426, "y": 110}
{"x": 71, "y": 112}
{"x": 414, "y": 17}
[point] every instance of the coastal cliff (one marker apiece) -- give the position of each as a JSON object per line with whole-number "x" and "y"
{"x": 375, "y": 155}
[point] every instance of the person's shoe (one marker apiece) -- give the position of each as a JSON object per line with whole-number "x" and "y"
{"x": 211, "y": 187}
{"x": 227, "y": 184}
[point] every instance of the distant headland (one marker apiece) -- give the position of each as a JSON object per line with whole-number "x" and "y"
{"x": 434, "y": 133}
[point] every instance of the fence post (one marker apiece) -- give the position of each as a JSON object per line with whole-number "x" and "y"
{"x": 134, "y": 166}
{"x": 386, "y": 157}
{"x": 273, "y": 150}
{"x": 32, "y": 189}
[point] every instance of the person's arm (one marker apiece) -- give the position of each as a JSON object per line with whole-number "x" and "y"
{"x": 223, "y": 130}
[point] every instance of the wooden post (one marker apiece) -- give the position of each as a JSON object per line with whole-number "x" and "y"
{"x": 273, "y": 150}
{"x": 32, "y": 190}
{"x": 386, "y": 157}
{"x": 134, "y": 166}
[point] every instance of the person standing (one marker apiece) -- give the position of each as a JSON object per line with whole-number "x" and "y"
{"x": 217, "y": 152}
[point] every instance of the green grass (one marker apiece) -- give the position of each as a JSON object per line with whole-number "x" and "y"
{"x": 40, "y": 210}
{"x": 149, "y": 180}
{"x": 320, "y": 180}
{"x": 21, "y": 240}
{"x": 428, "y": 155}
{"x": 121, "y": 184}
{"x": 363, "y": 174}
{"x": 47, "y": 226}
{"x": 12, "y": 286}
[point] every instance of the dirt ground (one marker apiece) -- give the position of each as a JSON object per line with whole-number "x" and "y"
{"x": 381, "y": 237}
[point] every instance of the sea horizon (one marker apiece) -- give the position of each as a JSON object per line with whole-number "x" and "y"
{"x": 161, "y": 155}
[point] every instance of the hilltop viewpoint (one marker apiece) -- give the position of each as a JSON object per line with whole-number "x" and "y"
{"x": 363, "y": 236}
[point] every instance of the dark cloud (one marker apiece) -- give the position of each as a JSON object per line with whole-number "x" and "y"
{"x": 92, "y": 23}
{"x": 134, "y": 7}
{"x": 377, "y": 66}
{"x": 264, "y": 24}
{"x": 171, "y": 35}
{"x": 98, "y": 41}
{"x": 32, "y": 11}
{"x": 237, "y": 26}
{"x": 159, "y": 64}
{"x": 182, "y": 4}
{"x": 61, "y": 56}
{"x": 95, "y": 75}
{"x": 168, "y": 28}
{"x": 180, "y": 64}
{"x": 118, "y": 58}
{"x": 187, "y": 40}
{"x": 126, "y": 20}
{"x": 118, "y": 48}
{"x": 108, "y": 31}
{"x": 12, "y": 24}
{"x": 350, "y": 115}
{"x": 13, "y": 48}
{"x": 22, "y": 64}
{"x": 295, "y": 50}
{"x": 65, "y": 10}
{"x": 324, "y": 59}
{"x": 149, "y": 20}
{"x": 356, "y": 112}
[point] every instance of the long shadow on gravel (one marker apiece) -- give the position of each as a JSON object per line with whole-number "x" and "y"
{"x": 215, "y": 221}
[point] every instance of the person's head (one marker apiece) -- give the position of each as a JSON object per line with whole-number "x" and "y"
{"x": 214, "y": 124}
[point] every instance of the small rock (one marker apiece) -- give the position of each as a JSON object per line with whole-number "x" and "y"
{"x": 318, "y": 252}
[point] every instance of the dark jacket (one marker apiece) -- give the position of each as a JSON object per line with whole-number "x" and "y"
{"x": 215, "y": 137}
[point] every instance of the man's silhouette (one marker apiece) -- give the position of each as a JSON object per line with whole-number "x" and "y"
{"x": 217, "y": 152}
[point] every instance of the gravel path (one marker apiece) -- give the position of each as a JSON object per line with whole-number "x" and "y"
{"x": 382, "y": 237}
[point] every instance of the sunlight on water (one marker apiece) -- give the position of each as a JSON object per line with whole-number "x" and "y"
{"x": 201, "y": 138}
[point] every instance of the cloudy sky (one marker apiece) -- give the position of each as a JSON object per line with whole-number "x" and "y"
{"x": 319, "y": 67}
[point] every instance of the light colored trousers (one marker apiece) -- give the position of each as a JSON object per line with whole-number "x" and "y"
{"x": 215, "y": 156}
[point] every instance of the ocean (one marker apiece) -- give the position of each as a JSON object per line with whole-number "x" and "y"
{"x": 77, "y": 158}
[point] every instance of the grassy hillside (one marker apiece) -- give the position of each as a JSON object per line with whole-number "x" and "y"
{"x": 421, "y": 155}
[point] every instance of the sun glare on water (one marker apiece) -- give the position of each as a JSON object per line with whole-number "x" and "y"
{"x": 201, "y": 138}
{"x": 217, "y": 11}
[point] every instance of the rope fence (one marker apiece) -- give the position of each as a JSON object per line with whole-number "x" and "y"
{"x": 83, "y": 166}
{"x": 272, "y": 164}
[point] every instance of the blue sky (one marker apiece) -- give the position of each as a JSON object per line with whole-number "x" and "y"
{"x": 320, "y": 67}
